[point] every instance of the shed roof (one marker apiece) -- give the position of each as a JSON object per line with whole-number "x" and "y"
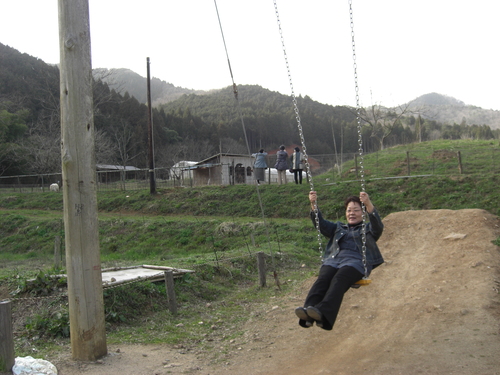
{"x": 113, "y": 167}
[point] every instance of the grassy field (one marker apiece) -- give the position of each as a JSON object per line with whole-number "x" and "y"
{"x": 217, "y": 231}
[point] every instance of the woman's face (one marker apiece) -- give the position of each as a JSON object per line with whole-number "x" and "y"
{"x": 354, "y": 213}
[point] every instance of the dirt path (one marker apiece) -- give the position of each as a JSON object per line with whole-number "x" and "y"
{"x": 432, "y": 308}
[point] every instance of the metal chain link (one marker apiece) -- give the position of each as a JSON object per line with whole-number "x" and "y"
{"x": 360, "y": 139}
{"x": 299, "y": 126}
{"x": 37, "y": 298}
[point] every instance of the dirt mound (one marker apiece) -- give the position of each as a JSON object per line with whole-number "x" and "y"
{"x": 432, "y": 308}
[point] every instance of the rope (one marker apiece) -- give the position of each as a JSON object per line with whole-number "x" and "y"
{"x": 235, "y": 91}
{"x": 299, "y": 126}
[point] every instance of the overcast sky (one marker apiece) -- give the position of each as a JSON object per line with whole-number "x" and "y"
{"x": 404, "y": 49}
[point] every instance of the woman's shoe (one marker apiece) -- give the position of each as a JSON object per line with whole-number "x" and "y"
{"x": 302, "y": 314}
{"x": 314, "y": 313}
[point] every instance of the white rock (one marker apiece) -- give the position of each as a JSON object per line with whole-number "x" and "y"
{"x": 31, "y": 366}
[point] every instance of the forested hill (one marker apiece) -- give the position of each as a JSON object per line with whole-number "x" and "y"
{"x": 268, "y": 116}
{"x": 196, "y": 125}
{"x": 433, "y": 106}
{"x": 125, "y": 80}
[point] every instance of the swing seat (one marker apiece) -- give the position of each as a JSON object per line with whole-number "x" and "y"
{"x": 361, "y": 282}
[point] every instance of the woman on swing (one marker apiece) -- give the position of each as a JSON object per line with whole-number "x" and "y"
{"x": 342, "y": 260}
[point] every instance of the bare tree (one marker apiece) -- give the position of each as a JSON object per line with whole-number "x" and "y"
{"x": 9, "y": 153}
{"x": 124, "y": 146}
{"x": 232, "y": 146}
{"x": 105, "y": 152}
{"x": 104, "y": 88}
{"x": 42, "y": 147}
{"x": 382, "y": 121}
{"x": 186, "y": 150}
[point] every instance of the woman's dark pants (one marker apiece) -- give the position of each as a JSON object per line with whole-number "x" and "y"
{"x": 328, "y": 290}
{"x": 297, "y": 176}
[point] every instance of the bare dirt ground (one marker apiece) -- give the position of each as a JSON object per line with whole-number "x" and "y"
{"x": 432, "y": 308}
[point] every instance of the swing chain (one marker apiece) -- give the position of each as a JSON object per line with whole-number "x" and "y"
{"x": 299, "y": 126}
{"x": 360, "y": 139}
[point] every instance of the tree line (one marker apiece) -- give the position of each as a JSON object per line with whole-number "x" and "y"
{"x": 194, "y": 126}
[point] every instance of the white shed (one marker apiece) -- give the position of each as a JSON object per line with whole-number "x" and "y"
{"x": 231, "y": 169}
{"x": 182, "y": 170}
{"x": 224, "y": 169}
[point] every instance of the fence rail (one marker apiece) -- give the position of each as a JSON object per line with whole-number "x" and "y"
{"x": 335, "y": 167}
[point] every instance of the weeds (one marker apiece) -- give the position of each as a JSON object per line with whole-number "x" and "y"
{"x": 220, "y": 248}
{"x": 49, "y": 324}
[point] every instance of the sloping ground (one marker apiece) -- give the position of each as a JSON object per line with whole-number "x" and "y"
{"x": 432, "y": 308}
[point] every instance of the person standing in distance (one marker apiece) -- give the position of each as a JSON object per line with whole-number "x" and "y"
{"x": 260, "y": 165}
{"x": 297, "y": 160}
{"x": 281, "y": 164}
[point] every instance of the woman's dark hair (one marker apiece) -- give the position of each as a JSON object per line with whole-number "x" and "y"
{"x": 261, "y": 150}
{"x": 350, "y": 199}
{"x": 297, "y": 149}
{"x": 282, "y": 147}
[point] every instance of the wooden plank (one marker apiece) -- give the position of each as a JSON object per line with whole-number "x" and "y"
{"x": 86, "y": 305}
{"x": 122, "y": 275}
{"x": 119, "y": 268}
{"x": 164, "y": 268}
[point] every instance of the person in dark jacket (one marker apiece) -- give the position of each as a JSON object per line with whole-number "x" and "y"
{"x": 342, "y": 259}
{"x": 281, "y": 164}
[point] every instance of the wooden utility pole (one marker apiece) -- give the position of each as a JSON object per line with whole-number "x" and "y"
{"x": 152, "y": 184}
{"x": 85, "y": 297}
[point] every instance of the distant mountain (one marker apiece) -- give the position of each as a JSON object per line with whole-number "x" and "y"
{"x": 433, "y": 106}
{"x": 448, "y": 110}
{"x": 435, "y": 99}
{"x": 125, "y": 80}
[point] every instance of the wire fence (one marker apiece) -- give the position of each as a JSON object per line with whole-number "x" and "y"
{"x": 336, "y": 167}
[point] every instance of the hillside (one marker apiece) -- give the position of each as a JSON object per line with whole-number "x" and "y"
{"x": 432, "y": 308}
